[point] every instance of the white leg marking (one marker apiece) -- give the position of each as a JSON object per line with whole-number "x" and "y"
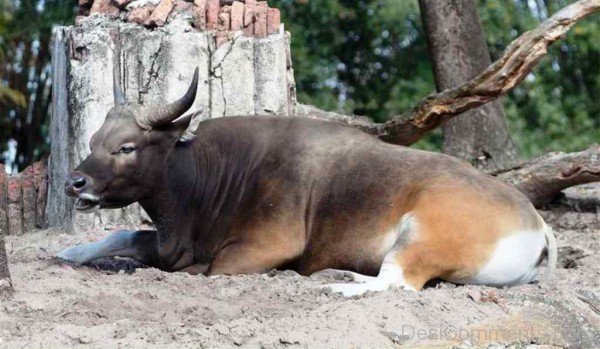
{"x": 117, "y": 244}
{"x": 514, "y": 261}
{"x": 344, "y": 274}
{"x": 390, "y": 276}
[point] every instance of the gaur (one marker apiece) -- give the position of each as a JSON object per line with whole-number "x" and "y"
{"x": 253, "y": 193}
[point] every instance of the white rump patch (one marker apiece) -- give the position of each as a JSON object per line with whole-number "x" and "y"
{"x": 514, "y": 261}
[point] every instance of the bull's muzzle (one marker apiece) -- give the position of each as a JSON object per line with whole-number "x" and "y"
{"x": 80, "y": 186}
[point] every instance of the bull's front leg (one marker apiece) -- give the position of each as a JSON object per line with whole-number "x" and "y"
{"x": 140, "y": 245}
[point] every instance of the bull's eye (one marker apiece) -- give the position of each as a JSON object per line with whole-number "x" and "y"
{"x": 126, "y": 149}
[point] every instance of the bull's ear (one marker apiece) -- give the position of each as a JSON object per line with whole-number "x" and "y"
{"x": 184, "y": 128}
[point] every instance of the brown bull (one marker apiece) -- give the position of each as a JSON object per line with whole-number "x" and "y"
{"x": 250, "y": 194}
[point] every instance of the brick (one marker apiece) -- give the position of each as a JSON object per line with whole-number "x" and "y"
{"x": 159, "y": 16}
{"x": 104, "y": 7}
{"x": 221, "y": 38}
{"x": 140, "y": 15}
{"x": 3, "y": 201}
{"x": 249, "y": 17}
{"x": 224, "y": 22}
{"x": 15, "y": 206}
{"x": 212, "y": 14}
{"x": 29, "y": 198}
{"x": 237, "y": 15}
{"x": 40, "y": 176}
{"x": 260, "y": 22}
{"x": 273, "y": 20}
{"x": 200, "y": 14}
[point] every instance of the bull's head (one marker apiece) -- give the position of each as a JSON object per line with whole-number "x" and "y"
{"x": 128, "y": 152}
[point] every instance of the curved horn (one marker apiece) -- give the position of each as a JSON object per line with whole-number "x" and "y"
{"x": 157, "y": 116}
{"x": 117, "y": 91}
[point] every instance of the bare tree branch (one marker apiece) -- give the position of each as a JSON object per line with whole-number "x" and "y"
{"x": 541, "y": 179}
{"x": 516, "y": 63}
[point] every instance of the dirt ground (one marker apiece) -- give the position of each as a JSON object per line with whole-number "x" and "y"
{"x": 118, "y": 304}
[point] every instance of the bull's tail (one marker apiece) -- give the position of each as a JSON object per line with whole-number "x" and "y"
{"x": 551, "y": 253}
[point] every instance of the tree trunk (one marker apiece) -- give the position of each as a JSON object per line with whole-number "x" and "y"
{"x": 459, "y": 52}
{"x": 5, "y": 285}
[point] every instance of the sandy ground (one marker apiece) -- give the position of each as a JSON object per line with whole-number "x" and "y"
{"x": 118, "y": 304}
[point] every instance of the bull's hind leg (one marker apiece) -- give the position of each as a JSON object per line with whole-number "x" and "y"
{"x": 139, "y": 245}
{"x": 405, "y": 266}
{"x": 344, "y": 274}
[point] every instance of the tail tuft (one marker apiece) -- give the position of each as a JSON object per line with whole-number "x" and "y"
{"x": 552, "y": 253}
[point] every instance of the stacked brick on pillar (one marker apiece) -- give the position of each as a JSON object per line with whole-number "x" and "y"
{"x": 40, "y": 175}
{"x": 29, "y": 198}
{"x": 15, "y": 206}
{"x": 240, "y": 48}
{"x": 23, "y": 200}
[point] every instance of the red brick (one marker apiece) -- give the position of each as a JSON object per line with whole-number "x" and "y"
{"x": 249, "y": 17}
{"x": 273, "y": 20}
{"x": 29, "y": 198}
{"x": 212, "y": 14}
{"x": 3, "y": 201}
{"x": 40, "y": 175}
{"x": 140, "y": 15}
{"x": 260, "y": 23}
{"x": 159, "y": 16}
{"x": 222, "y": 38}
{"x": 200, "y": 14}
{"x": 224, "y": 22}
{"x": 237, "y": 15}
{"x": 104, "y": 7}
{"x": 15, "y": 206}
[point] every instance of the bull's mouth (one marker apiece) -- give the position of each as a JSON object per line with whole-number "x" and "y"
{"x": 87, "y": 203}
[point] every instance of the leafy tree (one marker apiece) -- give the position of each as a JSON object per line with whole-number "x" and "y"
{"x": 364, "y": 57}
{"x": 25, "y": 76}
{"x": 558, "y": 106}
{"x": 370, "y": 57}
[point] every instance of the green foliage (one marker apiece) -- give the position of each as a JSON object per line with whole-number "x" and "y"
{"x": 370, "y": 58}
{"x": 25, "y": 33}
{"x": 557, "y": 107}
{"x": 366, "y": 57}
{"x": 361, "y": 57}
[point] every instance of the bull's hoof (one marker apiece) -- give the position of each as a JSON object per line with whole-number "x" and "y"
{"x": 76, "y": 255}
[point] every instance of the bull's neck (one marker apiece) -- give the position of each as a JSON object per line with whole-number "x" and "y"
{"x": 201, "y": 190}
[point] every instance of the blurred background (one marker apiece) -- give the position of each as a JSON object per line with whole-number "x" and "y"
{"x": 357, "y": 57}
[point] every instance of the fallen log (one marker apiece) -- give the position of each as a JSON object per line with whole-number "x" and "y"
{"x": 514, "y": 65}
{"x": 543, "y": 178}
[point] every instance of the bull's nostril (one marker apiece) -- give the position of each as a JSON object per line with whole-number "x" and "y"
{"x": 79, "y": 183}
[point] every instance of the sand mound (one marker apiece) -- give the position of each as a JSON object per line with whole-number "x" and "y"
{"x": 117, "y": 303}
